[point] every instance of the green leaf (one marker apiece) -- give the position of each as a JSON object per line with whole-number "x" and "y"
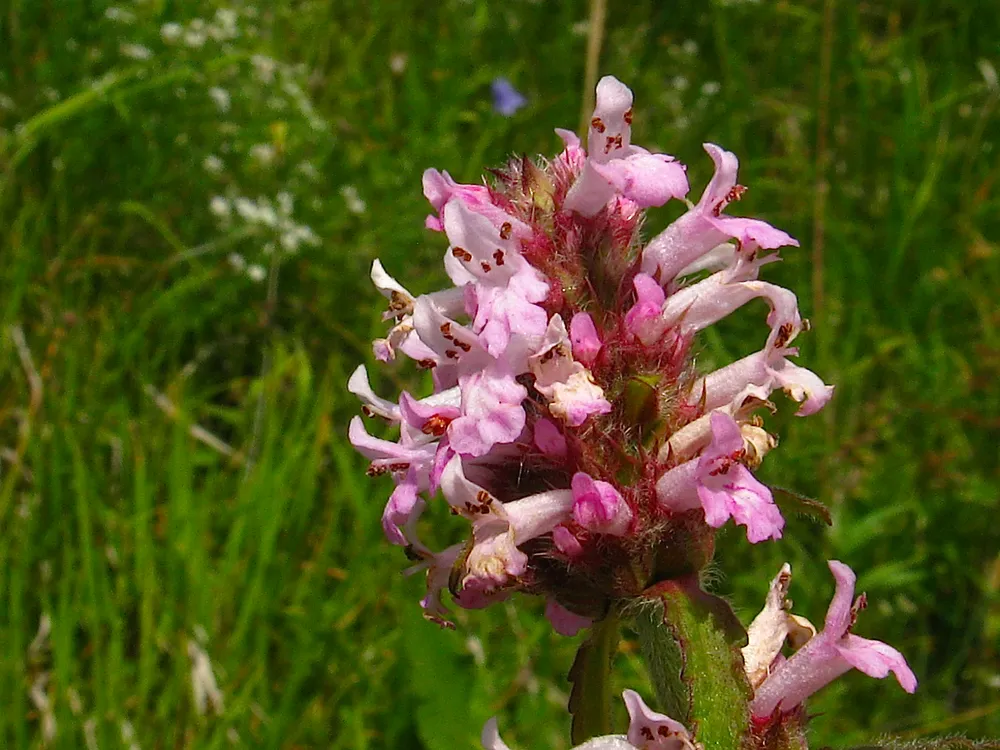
{"x": 713, "y": 693}
{"x": 790, "y": 501}
{"x": 441, "y": 677}
{"x": 590, "y": 699}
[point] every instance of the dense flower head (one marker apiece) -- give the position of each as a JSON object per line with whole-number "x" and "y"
{"x": 568, "y": 422}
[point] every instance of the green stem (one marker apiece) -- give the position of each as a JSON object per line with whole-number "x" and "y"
{"x": 590, "y": 701}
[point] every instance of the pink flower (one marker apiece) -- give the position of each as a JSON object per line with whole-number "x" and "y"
{"x": 650, "y": 730}
{"x": 644, "y": 319}
{"x": 586, "y": 342}
{"x": 599, "y": 507}
{"x": 568, "y": 385}
{"x": 614, "y": 166}
{"x": 722, "y": 485}
{"x": 829, "y": 654}
{"x": 491, "y": 411}
{"x": 703, "y": 227}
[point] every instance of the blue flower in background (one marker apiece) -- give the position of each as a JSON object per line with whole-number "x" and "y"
{"x": 506, "y": 99}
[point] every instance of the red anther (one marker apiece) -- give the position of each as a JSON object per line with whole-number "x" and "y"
{"x": 463, "y": 346}
{"x": 427, "y": 364}
{"x": 597, "y": 124}
{"x": 486, "y": 267}
{"x": 461, "y": 253}
{"x": 498, "y": 256}
{"x": 436, "y": 425}
{"x": 451, "y": 354}
{"x": 505, "y": 230}
{"x": 628, "y": 116}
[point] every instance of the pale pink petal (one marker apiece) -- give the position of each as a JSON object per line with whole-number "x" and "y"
{"x": 651, "y": 730}
{"x": 647, "y": 179}
{"x": 645, "y": 318}
{"x": 491, "y": 737}
{"x": 358, "y": 385}
{"x": 610, "y": 131}
{"x": 563, "y": 621}
{"x": 586, "y": 342}
{"x": 876, "y": 659}
{"x": 753, "y": 231}
{"x": 598, "y": 506}
{"x": 404, "y": 503}
{"x": 491, "y": 412}
{"x": 566, "y": 542}
{"x": 803, "y": 386}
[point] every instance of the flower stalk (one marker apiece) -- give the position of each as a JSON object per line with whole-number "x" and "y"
{"x": 570, "y": 427}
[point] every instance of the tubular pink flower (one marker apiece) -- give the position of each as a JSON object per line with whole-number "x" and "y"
{"x": 599, "y": 507}
{"x": 491, "y": 411}
{"x": 650, "y": 730}
{"x": 829, "y": 654}
{"x": 644, "y": 319}
{"x": 615, "y": 166}
{"x": 586, "y": 342}
{"x": 402, "y": 510}
{"x": 724, "y": 487}
{"x": 440, "y": 188}
{"x": 770, "y": 369}
{"x": 703, "y": 227}
{"x": 568, "y": 385}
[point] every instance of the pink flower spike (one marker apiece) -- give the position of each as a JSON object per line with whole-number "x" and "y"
{"x": 599, "y": 507}
{"x": 727, "y": 489}
{"x": 583, "y": 335}
{"x": 563, "y": 621}
{"x": 829, "y": 654}
{"x": 650, "y": 730}
{"x": 548, "y": 439}
{"x": 644, "y": 319}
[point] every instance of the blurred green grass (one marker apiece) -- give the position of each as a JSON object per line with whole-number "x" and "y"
{"x": 140, "y": 324}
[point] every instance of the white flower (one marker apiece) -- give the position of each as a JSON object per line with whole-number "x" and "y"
{"x": 221, "y": 98}
{"x": 171, "y": 32}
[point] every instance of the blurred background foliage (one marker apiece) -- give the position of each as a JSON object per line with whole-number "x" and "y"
{"x": 191, "y": 196}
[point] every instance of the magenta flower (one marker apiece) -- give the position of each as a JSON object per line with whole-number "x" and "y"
{"x": 829, "y": 654}
{"x": 568, "y": 424}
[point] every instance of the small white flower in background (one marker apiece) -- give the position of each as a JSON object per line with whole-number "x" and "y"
{"x": 195, "y": 37}
{"x": 264, "y": 153}
{"x": 989, "y": 73}
{"x": 256, "y": 273}
{"x": 220, "y": 207}
{"x": 221, "y": 98}
{"x": 355, "y": 204}
{"x": 135, "y": 51}
{"x": 171, "y": 32}
{"x": 397, "y": 62}
{"x": 119, "y": 14}
{"x": 237, "y": 261}
{"x": 128, "y": 735}
{"x": 90, "y": 733}
{"x": 204, "y": 688}
{"x": 264, "y": 67}
{"x": 213, "y": 164}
